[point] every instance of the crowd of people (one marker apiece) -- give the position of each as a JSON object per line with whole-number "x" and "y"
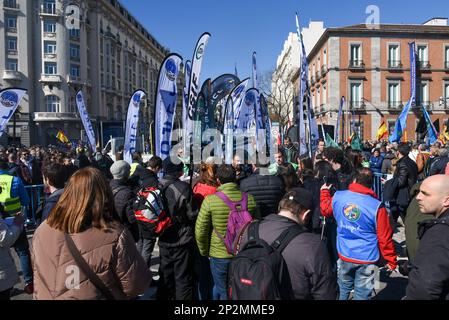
{"x": 320, "y": 214}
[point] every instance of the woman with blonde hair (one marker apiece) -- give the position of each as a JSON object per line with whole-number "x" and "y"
{"x": 82, "y": 252}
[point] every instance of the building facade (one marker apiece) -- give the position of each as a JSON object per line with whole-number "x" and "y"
{"x": 53, "y": 48}
{"x": 370, "y": 67}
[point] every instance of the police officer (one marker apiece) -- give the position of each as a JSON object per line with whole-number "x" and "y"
{"x": 14, "y": 199}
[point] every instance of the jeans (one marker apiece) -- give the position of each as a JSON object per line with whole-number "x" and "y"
{"x": 219, "y": 269}
{"x": 146, "y": 247}
{"x": 357, "y": 277}
{"x": 23, "y": 251}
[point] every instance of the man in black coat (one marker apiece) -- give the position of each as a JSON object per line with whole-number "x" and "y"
{"x": 124, "y": 197}
{"x": 341, "y": 165}
{"x": 429, "y": 276}
{"x": 266, "y": 189}
{"x": 404, "y": 178}
{"x": 176, "y": 244}
{"x": 54, "y": 180}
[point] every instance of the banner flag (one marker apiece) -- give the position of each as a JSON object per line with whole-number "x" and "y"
{"x": 254, "y": 63}
{"x": 401, "y": 122}
{"x": 9, "y": 101}
{"x": 166, "y": 99}
{"x": 314, "y": 133}
{"x": 302, "y": 93}
{"x": 185, "y": 102}
{"x": 235, "y": 98}
{"x": 340, "y": 113}
{"x": 221, "y": 87}
{"x": 132, "y": 122}
{"x": 247, "y": 116}
{"x": 86, "y": 120}
{"x": 194, "y": 86}
{"x": 432, "y": 132}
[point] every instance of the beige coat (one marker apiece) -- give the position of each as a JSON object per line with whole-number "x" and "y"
{"x": 113, "y": 256}
{"x": 8, "y": 272}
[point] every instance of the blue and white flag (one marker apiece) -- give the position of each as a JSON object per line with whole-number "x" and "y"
{"x": 340, "y": 114}
{"x": 254, "y": 63}
{"x": 86, "y": 120}
{"x": 185, "y": 102}
{"x": 194, "y": 86}
{"x": 432, "y": 132}
{"x": 166, "y": 98}
{"x": 235, "y": 97}
{"x": 9, "y": 101}
{"x": 247, "y": 116}
{"x": 401, "y": 122}
{"x": 132, "y": 122}
{"x": 302, "y": 93}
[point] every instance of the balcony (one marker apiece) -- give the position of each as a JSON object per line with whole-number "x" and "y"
{"x": 72, "y": 79}
{"x": 11, "y": 30}
{"x": 50, "y": 55}
{"x": 12, "y": 52}
{"x": 395, "y": 104}
{"x": 50, "y": 78}
{"x": 51, "y": 35}
{"x": 356, "y": 64}
{"x": 54, "y": 116}
{"x": 357, "y": 105}
{"x": 395, "y": 64}
{"x": 427, "y": 104}
{"x": 424, "y": 65}
{"x": 11, "y": 5}
{"x": 11, "y": 75}
{"x": 49, "y": 9}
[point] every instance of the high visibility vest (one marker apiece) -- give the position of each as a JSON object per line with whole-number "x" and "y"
{"x": 133, "y": 168}
{"x": 11, "y": 205}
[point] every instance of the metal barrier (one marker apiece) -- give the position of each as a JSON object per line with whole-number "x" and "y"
{"x": 36, "y": 195}
{"x": 378, "y": 187}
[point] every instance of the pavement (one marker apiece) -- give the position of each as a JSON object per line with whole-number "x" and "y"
{"x": 389, "y": 287}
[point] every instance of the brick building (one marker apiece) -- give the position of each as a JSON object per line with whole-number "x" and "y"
{"x": 371, "y": 68}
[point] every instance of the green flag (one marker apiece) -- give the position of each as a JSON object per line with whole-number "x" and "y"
{"x": 356, "y": 143}
{"x": 330, "y": 142}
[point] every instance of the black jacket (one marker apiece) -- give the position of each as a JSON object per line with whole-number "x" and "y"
{"x": 429, "y": 277}
{"x": 343, "y": 180}
{"x": 307, "y": 260}
{"x": 314, "y": 185}
{"x": 123, "y": 203}
{"x": 50, "y": 203}
{"x": 267, "y": 190}
{"x": 438, "y": 165}
{"x": 405, "y": 177}
{"x": 183, "y": 208}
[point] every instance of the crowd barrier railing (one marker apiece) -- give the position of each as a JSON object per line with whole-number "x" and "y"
{"x": 378, "y": 187}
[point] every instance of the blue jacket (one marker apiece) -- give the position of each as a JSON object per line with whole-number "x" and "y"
{"x": 356, "y": 216}
{"x": 375, "y": 163}
{"x": 18, "y": 190}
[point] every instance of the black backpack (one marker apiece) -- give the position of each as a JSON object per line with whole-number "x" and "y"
{"x": 258, "y": 271}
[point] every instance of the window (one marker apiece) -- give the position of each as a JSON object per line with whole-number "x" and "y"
{"x": 423, "y": 56}
{"x": 52, "y": 103}
{"x": 75, "y": 71}
{"x": 12, "y": 43}
{"x": 74, "y": 51}
{"x": 446, "y": 95}
{"x": 49, "y": 6}
{"x": 356, "y": 94}
{"x": 10, "y": 4}
{"x": 50, "y": 68}
{"x": 12, "y": 65}
{"x": 356, "y": 55}
{"x": 49, "y": 47}
{"x": 394, "y": 94}
{"x": 394, "y": 59}
{"x": 49, "y": 27}
{"x": 359, "y": 128}
{"x": 446, "y": 57}
{"x": 75, "y": 33}
{"x": 11, "y": 22}
{"x": 423, "y": 94}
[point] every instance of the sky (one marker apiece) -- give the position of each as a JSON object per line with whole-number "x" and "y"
{"x": 239, "y": 27}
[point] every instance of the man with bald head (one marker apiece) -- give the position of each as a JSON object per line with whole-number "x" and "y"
{"x": 429, "y": 277}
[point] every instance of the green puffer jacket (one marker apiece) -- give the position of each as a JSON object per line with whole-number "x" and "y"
{"x": 214, "y": 213}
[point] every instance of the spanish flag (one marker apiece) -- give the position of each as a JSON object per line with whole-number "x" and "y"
{"x": 444, "y": 135}
{"x": 382, "y": 133}
{"x": 62, "y": 137}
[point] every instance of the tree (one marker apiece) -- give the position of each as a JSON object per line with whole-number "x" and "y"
{"x": 280, "y": 94}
